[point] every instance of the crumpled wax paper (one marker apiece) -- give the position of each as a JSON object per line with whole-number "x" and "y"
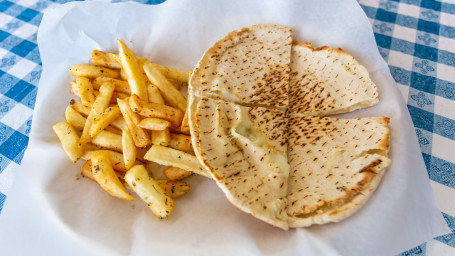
{"x": 51, "y": 212}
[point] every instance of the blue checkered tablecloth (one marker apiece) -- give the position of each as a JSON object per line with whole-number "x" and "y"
{"x": 415, "y": 37}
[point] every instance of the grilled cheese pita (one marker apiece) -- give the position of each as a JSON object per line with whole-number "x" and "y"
{"x": 328, "y": 81}
{"x": 248, "y": 66}
{"x": 245, "y": 150}
{"x": 335, "y": 163}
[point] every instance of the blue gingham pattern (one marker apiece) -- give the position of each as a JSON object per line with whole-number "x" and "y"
{"x": 415, "y": 37}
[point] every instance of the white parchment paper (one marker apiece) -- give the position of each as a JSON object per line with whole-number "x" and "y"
{"x": 50, "y": 212}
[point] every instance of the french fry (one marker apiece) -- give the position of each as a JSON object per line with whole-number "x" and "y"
{"x": 74, "y": 118}
{"x": 116, "y": 158}
{"x": 123, "y": 75}
{"x": 120, "y": 85}
{"x": 180, "y": 142}
{"x": 185, "y": 127}
{"x": 141, "y": 61}
{"x": 106, "y": 59}
{"x": 106, "y": 177}
{"x": 85, "y": 90}
{"x": 115, "y": 95}
{"x": 129, "y": 149}
{"x": 89, "y": 147}
{"x": 92, "y": 71}
{"x": 172, "y": 157}
{"x": 132, "y": 71}
{"x": 170, "y": 94}
{"x": 100, "y": 104}
{"x": 140, "y": 136}
{"x": 106, "y": 118}
{"x": 150, "y": 191}
{"x": 174, "y": 189}
{"x": 154, "y": 124}
{"x": 175, "y": 173}
{"x": 161, "y": 138}
{"x": 112, "y": 129}
{"x": 86, "y": 170}
{"x": 140, "y": 153}
{"x": 119, "y": 123}
{"x": 79, "y": 107}
{"x": 108, "y": 140}
{"x": 173, "y": 73}
{"x": 176, "y": 84}
{"x": 69, "y": 139}
{"x": 148, "y": 109}
{"x": 154, "y": 94}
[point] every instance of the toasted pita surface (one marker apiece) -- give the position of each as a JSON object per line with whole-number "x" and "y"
{"x": 328, "y": 81}
{"x": 336, "y": 164}
{"x": 244, "y": 148}
{"x": 247, "y": 66}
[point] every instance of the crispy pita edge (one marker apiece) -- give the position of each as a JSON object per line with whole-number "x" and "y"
{"x": 347, "y": 208}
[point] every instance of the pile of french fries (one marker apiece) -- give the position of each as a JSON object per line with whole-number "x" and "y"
{"x": 130, "y": 111}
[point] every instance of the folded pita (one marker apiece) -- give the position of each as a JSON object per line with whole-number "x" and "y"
{"x": 244, "y": 148}
{"x": 336, "y": 164}
{"x": 328, "y": 81}
{"x": 247, "y": 66}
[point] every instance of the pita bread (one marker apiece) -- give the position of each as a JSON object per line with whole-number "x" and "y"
{"x": 244, "y": 148}
{"x": 336, "y": 164}
{"x": 248, "y": 66}
{"x": 328, "y": 81}
{"x": 288, "y": 170}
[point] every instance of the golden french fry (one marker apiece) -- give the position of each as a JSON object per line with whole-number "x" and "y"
{"x": 116, "y": 158}
{"x": 140, "y": 136}
{"x": 161, "y": 138}
{"x": 106, "y": 118}
{"x": 85, "y": 89}
{"x": 79, "y": 107}
{"x": 176, "y": 84}
{"x": 173, "y": 73}
{"x": 185, "y": 127}
{"x": 154, "y": 124}
{"x": 175, "y": 173}
{"x": 174, "y": 189}
{"x": 89, "y": 147}
{"x": 100, "y": 104}
{"x": 181, "y": 142}
{"x": 112, "y": 129}
{"x": 150, "y": 191}
{"x": 106, "y": 59}
{"x": 86, "y": 170}
{"x": 92, "y": 71}
{"x": 140, "y": 153}
{"x": 106, "y": 177}
{"x": 148, "y": 109}
{"x": 172, "y": 157}
{"x": 170, "y": 94}
{"x": 129, "y": 149}
{"x": 108, "y": 140}
{"x": 132, "y": 71}
{"x": 123, "y": 75}
{"x": 74, "y": 118}
{"x": 69, "y": 139}
{"x": 115, "y": 95}
{"x": 154, "y": 94}
{"x": 120, "y": 85}
{"x": 119, "y": 123}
